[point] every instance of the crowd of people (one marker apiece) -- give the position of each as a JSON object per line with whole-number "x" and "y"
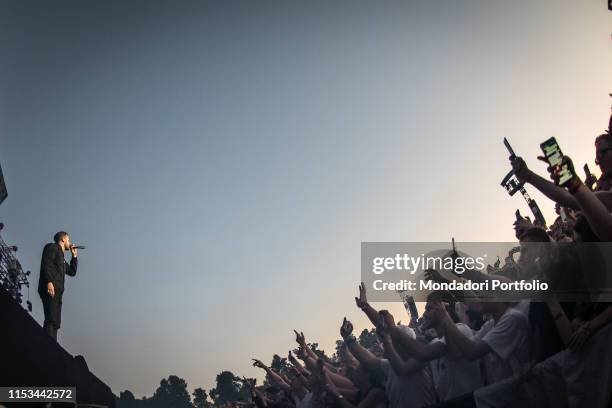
{"x": 486, "y": 354}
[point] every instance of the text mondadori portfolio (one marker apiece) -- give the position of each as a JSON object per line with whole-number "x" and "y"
{"x": 466, "y": 285}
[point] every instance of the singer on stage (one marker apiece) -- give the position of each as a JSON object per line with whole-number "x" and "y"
{"x": 53, "y": 269}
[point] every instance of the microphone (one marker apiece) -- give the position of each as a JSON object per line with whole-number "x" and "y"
{"x": 78, "y": 247}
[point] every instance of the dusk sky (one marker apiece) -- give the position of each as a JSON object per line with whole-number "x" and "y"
{"x": 222, "y": 161}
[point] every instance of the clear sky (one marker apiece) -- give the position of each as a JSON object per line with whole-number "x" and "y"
{"x": 223, "y": 160}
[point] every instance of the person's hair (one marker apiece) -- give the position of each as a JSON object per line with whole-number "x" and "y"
{"x": 535, "y": 234}
{"x": 59, "y": 236}
{"x": 604, "y": 137}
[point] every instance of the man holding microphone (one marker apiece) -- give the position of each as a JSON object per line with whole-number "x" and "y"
{"x": 53, "y": 269}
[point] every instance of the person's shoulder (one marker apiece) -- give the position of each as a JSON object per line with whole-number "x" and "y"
{"x": 51, "y": 246}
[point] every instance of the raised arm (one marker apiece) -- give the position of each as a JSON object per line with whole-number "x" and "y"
{"x": 374, "y": 397}
{"x": 297, "y": 364}
{"x": 400, "y": 366}
{"x": 309, "y": 353}
{"x": 71, "y": 268}
{"x": 372, "y": 400}
{"x": 339, "y": 380}
{"x": 364, "y": 356}
{"x": 550, "y": 190}
{"x": 419, "y": 351}
{"x": 301, "y": 341}
{"x": 594, "y": 206}
{"x": 471, "y": 349}
{"x": 595, "y": 211}
{"x": 343, "y": 384}
{"x": 282, "y": 384}
{"x": 362, "y": 303}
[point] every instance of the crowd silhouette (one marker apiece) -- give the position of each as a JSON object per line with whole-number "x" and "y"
{"x": 486, "y": 354}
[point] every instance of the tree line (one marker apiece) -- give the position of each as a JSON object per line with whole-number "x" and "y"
{"x": 172, "y": 392}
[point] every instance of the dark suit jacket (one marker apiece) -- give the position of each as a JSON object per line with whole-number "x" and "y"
{"x": 53, "y": 268}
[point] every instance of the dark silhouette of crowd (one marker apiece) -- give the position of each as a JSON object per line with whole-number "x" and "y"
{"x": 547, "y": 353}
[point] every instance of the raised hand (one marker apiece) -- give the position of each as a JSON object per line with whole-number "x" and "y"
{"x": 362, "y": 300}
{"x": 258, "y": 364}
{"x": 520, "y": 168}
{"x": 291, "y": 358}
{"x": 346, "y": 329}
{"x": 299, "y": 338}
{"x": 555, "y": 172}
{"x": 589, "y": 179}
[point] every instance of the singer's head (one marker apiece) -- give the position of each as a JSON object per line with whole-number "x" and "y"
{"x": 62, "y": 239}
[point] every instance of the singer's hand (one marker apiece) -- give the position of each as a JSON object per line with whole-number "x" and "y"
{"x": 50, "y": 289}
{"x": 73, "y": 251}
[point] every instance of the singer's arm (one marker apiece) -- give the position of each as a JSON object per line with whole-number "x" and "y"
{"x": 71, "y": 269}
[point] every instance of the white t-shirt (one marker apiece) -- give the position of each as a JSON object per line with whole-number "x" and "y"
{"x": 509, "y": 340}
{"x": 410, "y": 391}
{"x": 456, "y": 375}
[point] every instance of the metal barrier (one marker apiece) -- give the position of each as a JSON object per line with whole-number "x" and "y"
{"x": 12, "y": 276}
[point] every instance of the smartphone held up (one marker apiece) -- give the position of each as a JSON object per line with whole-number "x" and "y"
{"x": 554, "y": 157}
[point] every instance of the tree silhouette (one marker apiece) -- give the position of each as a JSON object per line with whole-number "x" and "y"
{"x": 127, "y": 400}
{"x": 315, "y": 348}
{"x": 171, "y": 393}
{"x": 367, "y": 338}
{"x": 228, "y": 388}
{"x": 335, "y": 357}
{"x": 279, "y": 364}
{"x": 200, "y": 399}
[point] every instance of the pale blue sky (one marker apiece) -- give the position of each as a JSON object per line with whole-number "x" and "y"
{"x": 222, "y": 161}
